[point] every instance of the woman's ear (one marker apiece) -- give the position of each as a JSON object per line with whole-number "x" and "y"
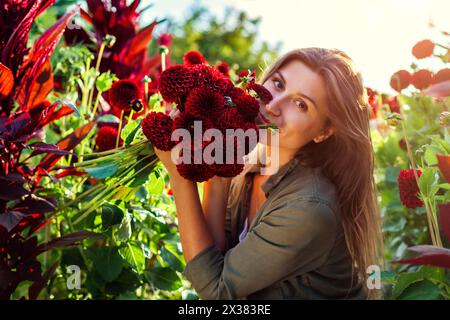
{"x": 324, "y": 135}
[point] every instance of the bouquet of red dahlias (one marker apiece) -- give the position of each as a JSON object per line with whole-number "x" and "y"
{"x": 206, "y": 96}
{"x": 214, "y": 130}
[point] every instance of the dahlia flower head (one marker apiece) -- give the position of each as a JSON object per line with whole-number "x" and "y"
{"x": 204, "y": 93}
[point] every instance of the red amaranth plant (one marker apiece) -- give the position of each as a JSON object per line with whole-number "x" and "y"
{"x": 23, "y": 201}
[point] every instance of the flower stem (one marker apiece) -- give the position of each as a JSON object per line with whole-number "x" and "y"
{"x": 97, "y": 70}
{"x": 120, "y": 129}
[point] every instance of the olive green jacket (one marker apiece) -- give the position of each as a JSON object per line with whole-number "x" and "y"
{"x": 294, "y": 248}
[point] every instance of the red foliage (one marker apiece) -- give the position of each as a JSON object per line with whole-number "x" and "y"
{"x": 400, "y": 80}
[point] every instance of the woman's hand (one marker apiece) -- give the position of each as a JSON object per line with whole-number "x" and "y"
{"x": 166, "y": 156}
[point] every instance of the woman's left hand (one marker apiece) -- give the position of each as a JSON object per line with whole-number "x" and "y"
{"x": 166, "y": 156}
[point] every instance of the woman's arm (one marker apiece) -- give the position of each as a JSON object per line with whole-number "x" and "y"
{"x": 215, "y": 199}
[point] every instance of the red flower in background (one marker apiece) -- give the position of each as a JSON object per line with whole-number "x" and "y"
{"x": 409, "y": 189}
{"x": 422, "y": 79}
{"x": 393, "y": 104}
{"x": 224, "y": 68}
{"x": 157, "y": 127}
{"x": 442, "y": 75}
{"x": 400, "y": 80}
{"x": 122, "y": 93}
{"x": 106, "y": 138}
{"x": 165, "y": 39}
{"x": 193, "y": 57}
{"x": 247, "y": 76}
{"x": 423, "y": 49}
{"x": 372, "y": 96}
{"x": 196, "y": 172}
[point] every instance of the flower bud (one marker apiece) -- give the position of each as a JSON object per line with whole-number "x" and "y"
{"x": 163, "y": 50}
{"x": 444, "y": 119}
{"x": 109, "y": 40}
{"x": 136, "y": 105}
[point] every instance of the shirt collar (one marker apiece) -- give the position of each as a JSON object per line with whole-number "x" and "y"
{"x": 271, "y": 182}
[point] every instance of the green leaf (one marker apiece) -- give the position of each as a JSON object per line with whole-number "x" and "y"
{"x": 156, "y": 185}
{"x": 107, "y": 262}
{"x": 392, "y": 174}
{"x": 430, "y": 156}
{"x": 105, "y": 81}
{"x": 163, "y": 278}
{"x": 108, "y": 118}
{"x": 423, "y": 290}
{"x": 129, "y": 131}
{"x": 124, "y": 232}
{"x": 404, "y": 281}
{"x": 111, "y": 215}
{"x": 170, "y": 255}
{"x": 389, "y": 277}
{"x": 428, "y": 182}
{"x": 103, "y": 170}
{"x": 142, "y": 177}
{"x": 133, "y": 253}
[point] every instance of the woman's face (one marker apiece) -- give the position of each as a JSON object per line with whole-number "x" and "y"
{"x": 298, "y": 107}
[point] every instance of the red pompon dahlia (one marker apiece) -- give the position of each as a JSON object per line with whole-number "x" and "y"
{"x": 263, "y": 94}
{"x": 196, "y": 127}
{"x": 231, "y": 118}
{"x": 229, "y": 170}
{"x": 423, "y": 49}
{"x": 157, "y": 127}
{"x": 202, "y": 102}
{"x": 250, "y": 128}
{"x": 106, "y": 138}
{"x": 165, "y": 39}
{"x": 212, "y": 78}
{"x": 175, "y": 82}
{"x": 196, "y": 172}
{"x": 442, "y": 75}
{"x": 122, "y": 93}
{"x": 193, "y": 57}
{"x": 409, "y": 189}
{"x": 248, "y": 106}
{"x": 224, "y": 68}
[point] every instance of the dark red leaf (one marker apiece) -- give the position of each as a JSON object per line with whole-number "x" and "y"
{"x": 69, "y": 172}
{"x": 42, "y": 147}
{"x": 10, "y": 190}
{"x": 428, "y": 255}
{"x": 444, "y": 165}
{"x": 36, "y": 204}
{"x": 444, "y": 219}
{"x": 65, "y": 241}
{"x": 37, "y": 286}
{"x": 37, "y": 69}
{"x": 135, "y": 49}
{"x": 6, "y": 81}
{"x": 36, "y": 89}
{"x": 67, "y": 143}
{"x": 10, "y": 219}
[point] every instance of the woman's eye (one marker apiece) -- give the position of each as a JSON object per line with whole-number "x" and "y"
{"x": 278, "y": 84}
{"x": 301, "y": 104}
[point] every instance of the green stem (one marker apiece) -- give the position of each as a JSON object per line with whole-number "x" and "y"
{"x": 97, "y": 70}
{"x": 120, "y": 129}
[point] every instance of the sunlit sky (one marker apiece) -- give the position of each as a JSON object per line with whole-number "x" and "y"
{"x": 377, "y": 34}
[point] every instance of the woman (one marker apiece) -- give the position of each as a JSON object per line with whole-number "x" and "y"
{"x": 308, "y": 231}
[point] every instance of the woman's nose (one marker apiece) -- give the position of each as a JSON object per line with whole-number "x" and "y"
{"x": 273, "y": 107}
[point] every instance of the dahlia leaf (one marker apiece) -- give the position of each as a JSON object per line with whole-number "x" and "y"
{"x": 33, "y": 91}
{"x": 37, "y": 286}
{"x": 111, "y": 215}
{"x": 133, "y": 254}
{"x": 6, "y": 81}
{"x": 109, "y": 118}
{"x": 444, "y": 219}
{"x": 10, "y": 219}
{"x": 103, "y": 171}
{"x": 129, "y": 131}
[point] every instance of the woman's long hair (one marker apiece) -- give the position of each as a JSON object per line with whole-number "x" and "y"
{"x": 346, "y": 158}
